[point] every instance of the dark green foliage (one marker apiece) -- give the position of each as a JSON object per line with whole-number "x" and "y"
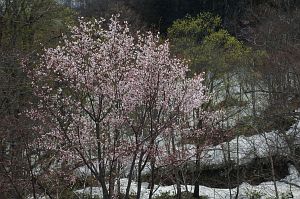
{"x": 208, "y": 46}
{"x": 196, "y": 28}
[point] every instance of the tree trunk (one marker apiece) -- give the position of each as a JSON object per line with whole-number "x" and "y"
{"x": 130, "y": 175}
{"x": 178, "y": 185}
{"x": 196, "y": 193}
{"x": 238, "y": 169}
{"x": 152, "y": 165}
{"x": 139, "y": 176}
{"x": 273, "y": 176}
{"x": 101, "y": 177}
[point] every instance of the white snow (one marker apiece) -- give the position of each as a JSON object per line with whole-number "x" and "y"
{"x": 256, "y": 146}
{"x": 260, "y": 145}
{"x": 266, "y": 189}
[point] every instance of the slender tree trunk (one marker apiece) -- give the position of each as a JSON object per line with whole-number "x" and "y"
{"x": 130, "y": 175}
{"x": 152, "y": 165}
{"x": 32, "y": 176}
{"x": 152, "y": 160}
{"x": 139, "y": 176}
{"x": 114, "y": 165}
{"x": 176, "y": 170}
{"x": 178, "y": 184}
{"x": 229, "y": 169}
{"x": 196, "y": 193}
{"x": 112, "y": 178}
{"x": 253, "y": 97}
{"x": 238, "y": 168}
{"x": 273, "y": 176}
{"x": 119, "y": 182}
{"x": 1, "y": 29}
{"x": 101, "y": 176}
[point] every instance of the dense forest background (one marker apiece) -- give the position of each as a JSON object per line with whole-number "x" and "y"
{"x": 248, "y": 49}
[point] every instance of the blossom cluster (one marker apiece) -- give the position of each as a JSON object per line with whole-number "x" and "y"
{"x": 108, "y": 93}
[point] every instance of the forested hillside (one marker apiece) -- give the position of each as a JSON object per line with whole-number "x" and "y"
{"x": 155, "y": 99}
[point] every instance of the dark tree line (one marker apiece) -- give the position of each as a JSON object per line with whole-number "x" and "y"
{"x": 162, "y": 13}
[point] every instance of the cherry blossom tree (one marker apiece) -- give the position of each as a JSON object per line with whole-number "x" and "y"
{"x": 110, "y": 99}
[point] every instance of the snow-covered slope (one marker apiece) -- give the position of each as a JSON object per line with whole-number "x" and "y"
{"x": 256, "y": 146}
{"x": 241, "y": 148}
{"x": 260, "y": 145}
{"x": 286, "y": 186}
